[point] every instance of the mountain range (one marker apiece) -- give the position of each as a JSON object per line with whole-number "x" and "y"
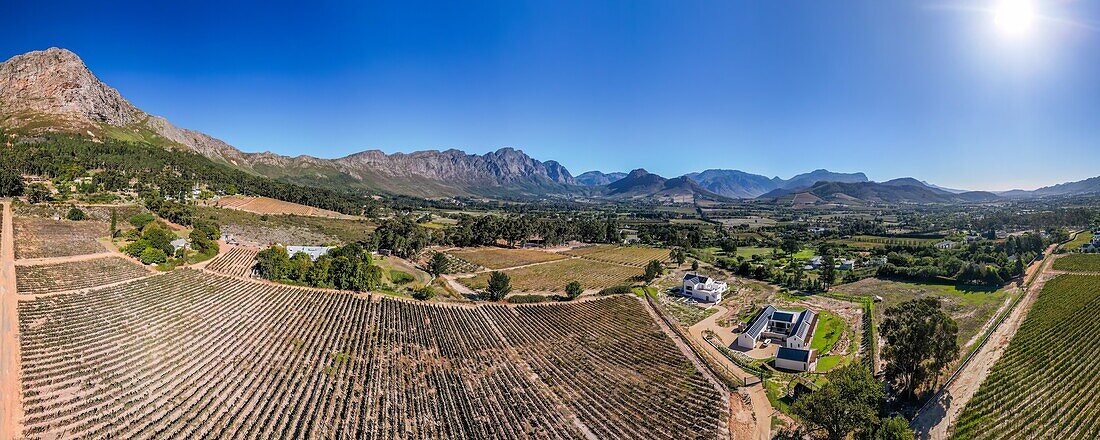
{"x": 53, "y": 90}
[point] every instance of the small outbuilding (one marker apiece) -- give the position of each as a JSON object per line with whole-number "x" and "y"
{"x": 796, "y": 359}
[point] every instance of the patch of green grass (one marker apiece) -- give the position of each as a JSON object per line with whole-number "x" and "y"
{"x": 1078, "y": 241}
{"x": 748, "y": 252}
{"x": 804, "y": 254}
{"x": 827, "y": 363}
{"x": 400, "y": 278}
{"x": 830, "y": 328}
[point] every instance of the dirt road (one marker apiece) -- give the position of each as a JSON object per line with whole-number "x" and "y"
{"x": 937, "y": 417}
{"x": 11, "y": 408}
{"x": 761, "y": 407}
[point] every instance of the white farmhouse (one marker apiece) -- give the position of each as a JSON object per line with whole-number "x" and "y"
{"x": 794, "y": 329}
{"x": 703, "y": 288}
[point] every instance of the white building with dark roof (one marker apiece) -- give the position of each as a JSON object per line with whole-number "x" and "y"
{"x": 795, "y": 359}
{"x": 793, "y": 329}
{"x": 703, "y": 288}
{"x": 314, "y": 252}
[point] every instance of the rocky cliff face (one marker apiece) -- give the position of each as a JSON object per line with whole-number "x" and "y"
{"x": 53, "y": 90}
{"x": 56, "y": 82}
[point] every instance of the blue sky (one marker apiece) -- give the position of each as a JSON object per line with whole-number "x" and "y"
{"x": 892, "y": 88}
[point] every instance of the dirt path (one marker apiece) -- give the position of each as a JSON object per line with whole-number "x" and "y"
{"x": 11, "y": 407}
{"x": 934, "y": 420}
{"x": 760, "y": 406}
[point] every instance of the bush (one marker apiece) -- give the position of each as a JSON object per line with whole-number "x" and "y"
{"x": 573, "y": 289}
{"x": 75, "y": 214}
{"x": 152, "y": 255}
{"x": 399, "y": 277}
{"x": 527, "y": 299}
{"x": 615, "y": 290}
{"x": 424, "y": 293}
{"x": 140, "y": 220}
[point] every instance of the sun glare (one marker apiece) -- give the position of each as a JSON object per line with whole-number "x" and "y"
{"x": 1014, "y": 18}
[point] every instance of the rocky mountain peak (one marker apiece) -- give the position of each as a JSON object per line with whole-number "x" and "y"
{"x": 56, "y": 82}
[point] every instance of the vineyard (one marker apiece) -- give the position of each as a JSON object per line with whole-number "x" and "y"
{"x": 1078, "y": 263}
{"x": 552, "y": 277}
{"x": 630, "y": 255}
{"x": 192, "y": 355}
{"x": 46, "y": 278}
{"x": 1047, "y": 382}
{"x": 238, "y": 262}
{"x": 265, "y": 205}
{"x": 46, "y": 238}
{"x": 496, "y": 258}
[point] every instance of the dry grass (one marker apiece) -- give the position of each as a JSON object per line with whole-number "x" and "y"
{"x": 46, "y": 238}
{"x": 552, "y": 277}
{"x": 266, "y": 205}
{"x": 632, "y": 255}
{"x": 496, "y": 258}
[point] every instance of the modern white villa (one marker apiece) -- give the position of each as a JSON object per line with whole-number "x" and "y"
{"x": 792, "y": 329}
{"x": 703, "y": 288}
{"x": 314, "y": 252}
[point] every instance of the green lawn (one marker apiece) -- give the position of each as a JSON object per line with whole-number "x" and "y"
{"x": 830, "y": 328}
{"x": 748, "y": 252}
{"x": 804, "y": 254}
{"x": 826, "y": 363}
{"x": 1078, "y": 241}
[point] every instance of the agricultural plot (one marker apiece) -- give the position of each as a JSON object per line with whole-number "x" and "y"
{"x": 1047, "y": 383}
{"x": 873, "y": 241}
{"x": 266, "y": 205}
{"x": 1078, "y": 263}
{"x": 971, "y": 309}
{"x": 497, "y": 258}
{"x": 630, "y": 255}
{"x": 552, "y": 277}
{"x": 237, "y": 262}
{"x": 46, "y": 238}
{"x": 192, "y": 355}
{"x": 46, "y": 278}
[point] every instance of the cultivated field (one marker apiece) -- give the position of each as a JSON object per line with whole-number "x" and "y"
{"x": 44, "y": 238}
{"x": 237, "y": 262}
{"x": 630, "y": 255}
{"x": 1078, "y": 263}
{"x": 192, "y": 355}
{"x": 74, "y": 275}
{"x": 552, "y": 277}
{"x": 265, "y": 205}
{"x": 971, "y": 310}
{"x": 496, "y": 258}
{"x": 1047, "y": 383}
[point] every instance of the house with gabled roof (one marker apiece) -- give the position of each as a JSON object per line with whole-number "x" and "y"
{"x": 792, "y": 329}
{"x": 703, "y": 288}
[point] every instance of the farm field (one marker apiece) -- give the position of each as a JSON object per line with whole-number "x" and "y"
{"x": 266, "y": 205}
{"x": 971, "y": 310}
{"x": 1078, "y": 263}
{"x": 637, "y": 256}
{"x": 1045, "y": 385}
{"x": 46, "y": 278}
{"x": 287, "y": 229}
{"x": 189, "y": 354}
{"x": 1078, "y": 241}
{"x": 552, "y": 277}
{"x": 497, "y": 258}
{"x": 237, "y": 262}
{"x": 46, "y": 238}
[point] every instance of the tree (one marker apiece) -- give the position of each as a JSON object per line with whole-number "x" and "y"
{"x": 11, "y": 183}
{"x": 677, "y": 255}
{"x": 920, "y": 342}
{"x": 694, "y": 265}
{"x": 848, "y": 403}
{"x": 573, "y": 289}
{"x": 499, "y": 286}
{"x": 652, "y": 271}
{"x": 438, "y": 265}
{"x": 828, "y": 270}
{"x": 75, "y": 214}
{"x": 790, "y": 246}
{"x": 114, "y": 223}
{"x": 37, "y": 192}
{"x": 152, "y": 255}
{"x": 140, "y": 220}
{"x": 424, "y": 293}
{"x": 894, "y": 428}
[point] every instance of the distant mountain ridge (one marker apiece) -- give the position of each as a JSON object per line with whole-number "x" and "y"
{"x": 903, "y": 190}
{"x": 53, "y": 90}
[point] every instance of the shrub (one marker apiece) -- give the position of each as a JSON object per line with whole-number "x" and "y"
{"x": 527, "y": 299}
{"x": 424, "y": 293}
{"x": 76, "y": 214}
{"x": 573, "y": 289}
{"x": 152, "y": 255}
{"x": 399, "y": 277}
{"x": 140, "y": 220}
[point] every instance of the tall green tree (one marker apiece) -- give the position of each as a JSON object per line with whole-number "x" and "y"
{"x": 652, "y": 271}
{"x": 920, "y": 342}
{"x": 499, "y": 286}
{"x": 850, "y": 402}
{"x": 11, "y": 183}
{"x": 438, "y": 264}
{"x": 574, "y": 290}
{"x": 828, "y": 270}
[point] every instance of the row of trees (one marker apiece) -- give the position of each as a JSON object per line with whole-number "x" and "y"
{"x": 980, "y": 262}
{"x": 348, "y": 267}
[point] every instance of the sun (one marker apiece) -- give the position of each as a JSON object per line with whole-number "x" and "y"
{"x": 1014, "y": 18}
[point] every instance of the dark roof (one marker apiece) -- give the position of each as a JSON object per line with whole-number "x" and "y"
{"x": 695, "y": 278}
{"x": 793, "y": 354}
{"x": 760, "y": 322}
{"x": 802, "y": 328}
{"x": 783, "y": 316}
